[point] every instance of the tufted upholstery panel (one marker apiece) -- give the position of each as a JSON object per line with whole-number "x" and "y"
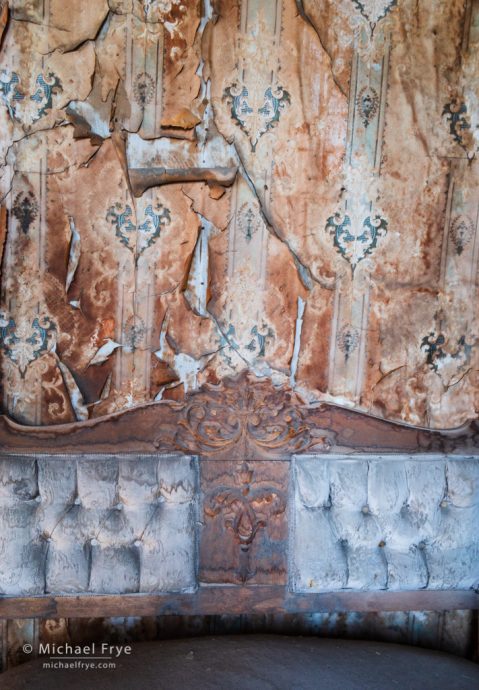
{"x": 115, "y": 524}
{"x": 100, "y": 524}
{"x": 392, "y": 522}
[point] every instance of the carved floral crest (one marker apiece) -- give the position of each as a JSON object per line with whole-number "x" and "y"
{"x": 246, "y": 418}
{"x": 246, "y": 509}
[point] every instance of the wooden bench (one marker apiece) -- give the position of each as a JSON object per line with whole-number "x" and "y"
{"x": 242, "y": 499}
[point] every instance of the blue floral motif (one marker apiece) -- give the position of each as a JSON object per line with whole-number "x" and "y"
{"x": 229, "y": 338}
{"x": 258, "y": 111}
{"x": 7, "y": 330}
{"x": 121, "y": 219}
{"x": 434, "y": 346}
{"x": 47, "y": 86}
{"x": 239, "y": 102}
{"x": 260, "y": 340}
{"x": 14, "y": 98}
{"x": 24, "y": 343}
{"x": 353, "y": 244}
{"x": 374, "y": 10}
{"x": 458, "y": 118}
{"x": 151, "y": 227}
{"x": 262, "y": 336}
{"x": 226, "y": 342}
{"x": 10, "y": 93}
{"x": 138, "y": 239}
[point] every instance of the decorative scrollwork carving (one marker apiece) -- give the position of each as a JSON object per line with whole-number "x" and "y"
{"x": 246, "y": 510}
{"x": 247, "y": 417}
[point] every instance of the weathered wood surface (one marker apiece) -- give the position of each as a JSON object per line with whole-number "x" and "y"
{"x": 211, "y": 600}
{"x": 365, "y": 505}
{"x": 241, "y": 418}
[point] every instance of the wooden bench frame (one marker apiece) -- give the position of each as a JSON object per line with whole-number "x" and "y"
{"x": 242, "y": 420}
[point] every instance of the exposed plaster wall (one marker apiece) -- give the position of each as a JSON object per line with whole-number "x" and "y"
{"x": 194, "y": 188}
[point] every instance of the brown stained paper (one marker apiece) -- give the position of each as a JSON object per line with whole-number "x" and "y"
{"x": 194, "y": 189}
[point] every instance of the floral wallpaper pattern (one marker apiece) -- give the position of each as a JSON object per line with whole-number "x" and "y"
{"x": 191, "y": 189}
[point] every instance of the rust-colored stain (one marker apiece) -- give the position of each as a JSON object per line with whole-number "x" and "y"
{"x": 195, "y": 190}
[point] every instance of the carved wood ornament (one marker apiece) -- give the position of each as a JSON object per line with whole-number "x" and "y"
{"x": 245, "y": 509}
{"x": 242, "y": 418}
{"x": 244, "y": 432}
{"x": 250, "y": 417}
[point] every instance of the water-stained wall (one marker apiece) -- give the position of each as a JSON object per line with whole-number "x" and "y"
{"x": 191, "y": 188}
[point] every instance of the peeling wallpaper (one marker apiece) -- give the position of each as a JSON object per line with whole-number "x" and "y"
{"x": 193, "y": 188}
